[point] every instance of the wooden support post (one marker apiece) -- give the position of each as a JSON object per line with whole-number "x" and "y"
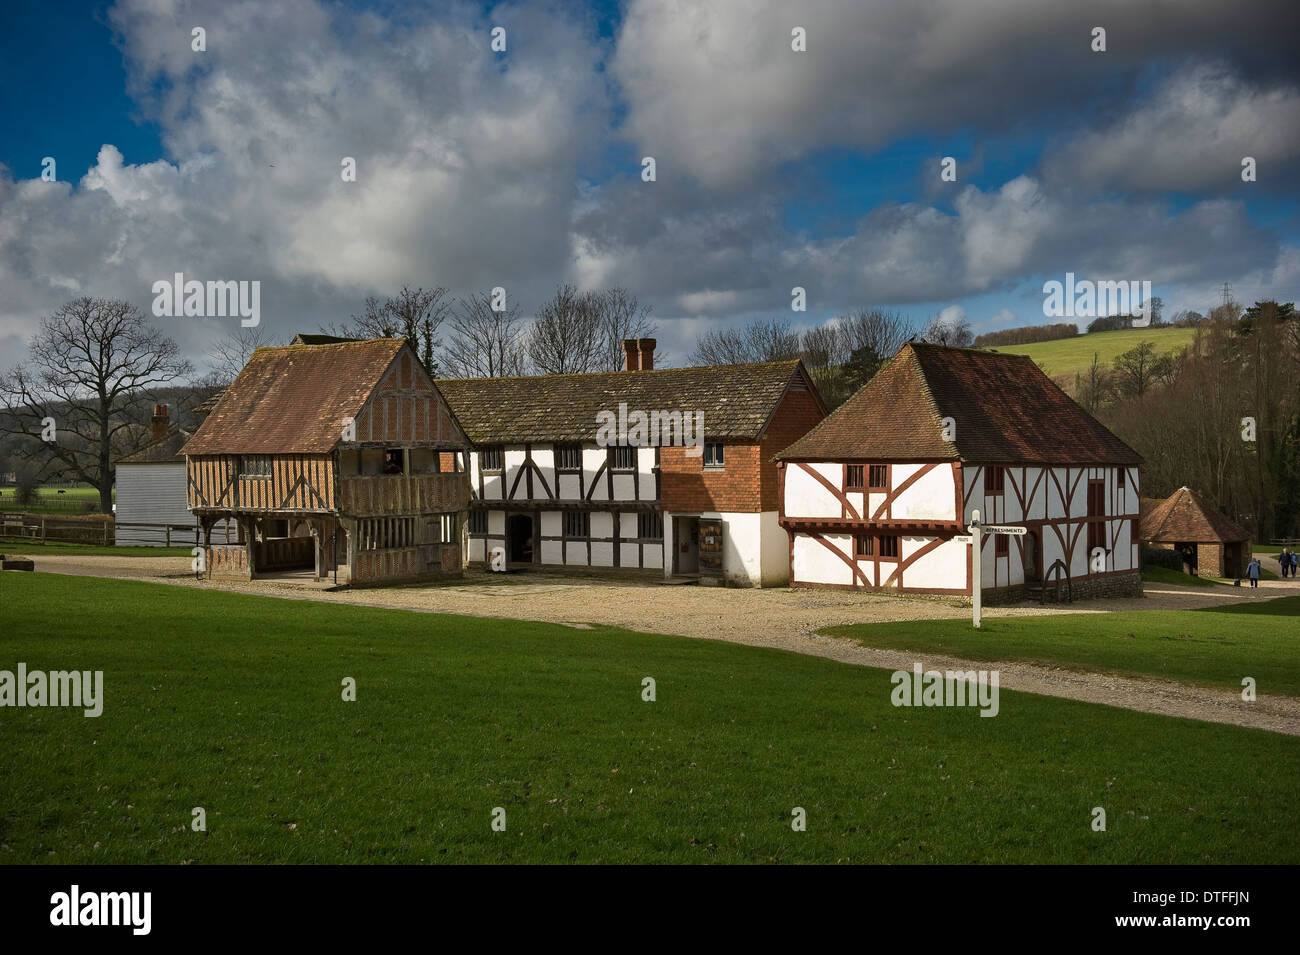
{"x": 42, "y": 530}
{"x": 976, "y": 561}
{"x": 167, "y": 536}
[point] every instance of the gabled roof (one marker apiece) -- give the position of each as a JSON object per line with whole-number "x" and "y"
{"x": 1005, "y": 411}
{"x": 164, "y": 450}
{"x": 1186, "y": 517}
{"x": 293, "y": 399}
{"x": 737, "y": 400}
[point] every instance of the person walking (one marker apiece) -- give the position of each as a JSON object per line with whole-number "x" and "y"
{"x": 1295, "y": 563}
{"x": 1252, "y": 571}
{"x": 1284, "y": 561}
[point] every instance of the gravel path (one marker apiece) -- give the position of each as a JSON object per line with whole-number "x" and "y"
{"x": 782, "y": 618}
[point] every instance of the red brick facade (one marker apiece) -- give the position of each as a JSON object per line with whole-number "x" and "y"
{"x": 748, "y": 483}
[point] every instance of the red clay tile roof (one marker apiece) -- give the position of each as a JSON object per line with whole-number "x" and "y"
{"x": 1186, "y": 517}
{"x": 1006, "y": 411}
{"x": 292, "y": 399}
{"x": 736, "y": 400}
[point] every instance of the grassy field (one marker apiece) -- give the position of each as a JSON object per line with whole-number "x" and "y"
{"x": 232, "y": 703}
{"x": 1066, "y": 356}
{"x": 33, "y": 549}
{"x": 73, "y": 500}
{"x": 1211, "y": 647}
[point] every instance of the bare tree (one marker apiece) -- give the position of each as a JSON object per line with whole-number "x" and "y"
{"x": 230, "y": 353}
{"x": 882, "y": 333}
{"x": 760, "y": 340}
{"x": 413, "y": 314}
{"x": 954, "y": 331}
{"x": 90, "y": 369}
{"x": 567, "y": 337}
{"x": 1140, "y": 367}
{"x": 1094, "y": 387}
{"x": 621, "y": 317}
{"x": 485, "y": 343}
{"x": 823, "y": 346}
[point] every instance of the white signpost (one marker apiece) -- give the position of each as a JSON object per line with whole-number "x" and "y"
{"x": 976, "y": 530}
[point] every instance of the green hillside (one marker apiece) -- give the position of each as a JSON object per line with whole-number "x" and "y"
{"x": 1069, "y": 355}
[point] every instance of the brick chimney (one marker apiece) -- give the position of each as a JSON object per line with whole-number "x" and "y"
{"x": 631, "y": 355}
{"x": 647, "y": 348}
{"x": 159, "y": 421}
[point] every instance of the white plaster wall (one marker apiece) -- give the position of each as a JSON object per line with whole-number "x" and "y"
{"x": 806, "y": 497}
{"x": 775, "y": 548}
{"x": 944, "y": 568}
{"x": 814, "y": 564}
{"x": 932, "y": 497}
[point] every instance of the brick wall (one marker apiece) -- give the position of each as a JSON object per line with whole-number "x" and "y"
{"x": 796, "y": 416}
{"x": 749, "y": 481}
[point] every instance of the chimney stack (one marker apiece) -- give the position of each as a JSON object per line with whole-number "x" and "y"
{"x": 631, "y": 355}
{"x": 159, "y": 421}
{"x": 647, "y": 348}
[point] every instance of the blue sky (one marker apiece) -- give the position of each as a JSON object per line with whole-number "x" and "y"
{"x": 775, "y": 168}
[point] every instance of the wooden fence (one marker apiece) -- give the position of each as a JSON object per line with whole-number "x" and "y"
{"x": 100, "y": 531}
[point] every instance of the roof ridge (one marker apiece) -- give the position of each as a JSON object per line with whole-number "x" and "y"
{"x": 640, "y": 371}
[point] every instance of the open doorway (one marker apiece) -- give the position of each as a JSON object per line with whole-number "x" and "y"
{"x": 1033, "y": 558}
{"x": 519, "y": 539}
{"x": 686, "y": 545}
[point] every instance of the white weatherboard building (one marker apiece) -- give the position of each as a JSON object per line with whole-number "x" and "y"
{"x": 548, "y": 494}
{"x": 873, "y": 496}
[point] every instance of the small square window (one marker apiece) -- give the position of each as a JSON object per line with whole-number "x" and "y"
{"x": 864, "y": 545}
{"x": 993, "y": 480}
{"x": 478, "y": 522}
{"x": 889, "y": 546}
{"x": 1001, "y": 545}
{"x": 650, "y": 525}
{"x": 853, "y": 477}
{"x": 490, "y": 458}
{"x": 256, "y": 466}
{"x": 714, "y": 455}
{"x": 568, "y": 457}
{"x": 622, "y": 458}
{"x": 577, "y": 524}
{"x": 878, "y": 475}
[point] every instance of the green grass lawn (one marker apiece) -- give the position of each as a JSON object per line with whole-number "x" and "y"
{"x": 1163, "y": 575}
{"x": 1214, "y": 647}
{"x": 1066, "y": 356}
{"x": 232, "y": 703}
{"x": 73, "y": 500}
{"x": 36, "y": 548}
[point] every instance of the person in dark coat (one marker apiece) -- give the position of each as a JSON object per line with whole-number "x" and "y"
{"x": 1252, "y": 571}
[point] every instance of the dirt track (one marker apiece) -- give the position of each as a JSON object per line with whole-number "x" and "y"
{"x": 782, "y": 618}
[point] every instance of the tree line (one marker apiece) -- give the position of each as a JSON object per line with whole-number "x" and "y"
{"x": 1222, "y": 416}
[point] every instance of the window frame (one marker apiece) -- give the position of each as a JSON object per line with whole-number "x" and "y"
{"x": 656, "y": 522}
{"x": 475, "y": 520}
{"x": 714, "y": 457}
{"x": 584, "y": 520}
{"x": 498, "y": 453}
{"x": 995, "y": 480}
{"x": 247, "y": 475}
{"x": 896, "y": 545}
{"x": 881, "y": 470}
{"x": 613, "y": 455}
{"x": 855, "y": 477}
{"x": 858, "y": 552}
{"x": 568, "y": 447}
